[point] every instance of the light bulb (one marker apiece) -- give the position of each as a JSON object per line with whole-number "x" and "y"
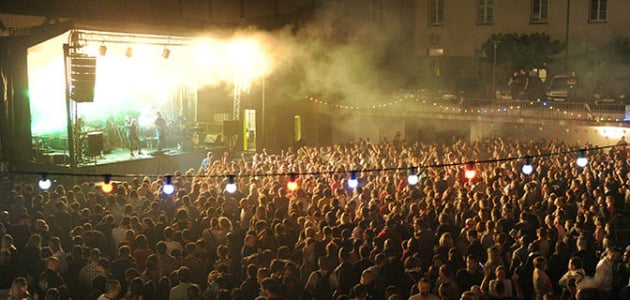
{"x": 412, "y": 179}
{"x": 470, "y": 172}
{"x": 581, "y": 162}
{"x": 44, "y": 183}
{"x": 230, "y": 188}
{"x": 353, "y": 182}
{"x": 527, "y": 169}
{"x": 107, "y": 188}
{"x": 168, "y": 187}
{"x": 292, "y": 186}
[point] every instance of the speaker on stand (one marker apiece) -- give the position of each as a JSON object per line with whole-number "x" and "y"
{"x": 82, "y": 77}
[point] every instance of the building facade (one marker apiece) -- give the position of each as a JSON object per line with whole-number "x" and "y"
{"x": 449, "y": 33}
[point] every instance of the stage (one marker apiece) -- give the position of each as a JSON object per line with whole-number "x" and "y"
{"x": 119, "y": 161}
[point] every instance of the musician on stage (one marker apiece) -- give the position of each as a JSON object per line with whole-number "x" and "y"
{"x": 160, "y": 130}
{"x": 131, "y": 131}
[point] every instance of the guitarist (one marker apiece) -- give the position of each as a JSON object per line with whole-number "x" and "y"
{"x": 160, "y": 130}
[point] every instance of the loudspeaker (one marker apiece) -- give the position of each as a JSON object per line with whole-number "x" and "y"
{"x": 82, "y": 77}
{"x": 95, "y": 143}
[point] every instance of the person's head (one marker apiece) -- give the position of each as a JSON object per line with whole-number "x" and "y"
{"x": 500, "y": 272}
{"x": 367, "y": 277}
{"x": 575, "y": 263}
{"x": 183, "y": 274}
{"x": 271, "y": 287}
{"x": 102, "y": 265}
{"x": 136, "y": 285}
{"x": 193, "y": 292}
{"x": 468, "y": 295}
{"x": 261, "y": 274}
{"x": 52, "y": 294}
{"x": 472, "y": 263}
{"x": 19, "y": 287}
{"x": 52, "y": 263}
{"x": 424, "y": 286}
{"x": 112, "y": 288}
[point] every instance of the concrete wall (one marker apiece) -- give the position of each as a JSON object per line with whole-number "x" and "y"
{"x": 345, "y": 127}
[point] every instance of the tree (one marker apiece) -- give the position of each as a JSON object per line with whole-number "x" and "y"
{"x": 522, "y": 50}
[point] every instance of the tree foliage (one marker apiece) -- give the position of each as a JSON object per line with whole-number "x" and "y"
{"x": 519, "y": 50}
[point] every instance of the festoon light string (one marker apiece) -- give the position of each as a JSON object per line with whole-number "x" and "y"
{"x": 470, "y": 172}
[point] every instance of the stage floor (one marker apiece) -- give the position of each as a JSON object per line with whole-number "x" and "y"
{"x": 120, "y": 161}
{"x": 123, "y": 154}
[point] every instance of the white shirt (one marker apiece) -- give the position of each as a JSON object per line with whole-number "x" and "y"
{"x": 604, "y": 274}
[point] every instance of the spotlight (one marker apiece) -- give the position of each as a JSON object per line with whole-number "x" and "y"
{"x": 102, "y": 50}
{"x": 129, "y": 52}
{"x": 166, "y": 53}
{"x": 231, "y": 186}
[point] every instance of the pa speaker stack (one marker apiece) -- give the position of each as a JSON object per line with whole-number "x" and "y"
{"x": 82, "y": 77}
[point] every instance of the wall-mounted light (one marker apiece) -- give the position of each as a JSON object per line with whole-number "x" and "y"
{"x": 129, "y": 52}
{"x": 102, "y": 50}
{"x": 166, "y": 53}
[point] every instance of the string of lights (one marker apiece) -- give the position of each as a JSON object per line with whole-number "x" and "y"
{"x": 470, "y": 172}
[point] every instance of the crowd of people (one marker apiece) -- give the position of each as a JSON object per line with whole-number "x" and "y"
{"x": 554, "y": 234}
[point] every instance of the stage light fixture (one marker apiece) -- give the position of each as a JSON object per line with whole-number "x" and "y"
{"x": 166, "y": 53}
{"x": 230, "y": 187}
{"x": 129, "y": 52}
{"x": 102, "y": 50}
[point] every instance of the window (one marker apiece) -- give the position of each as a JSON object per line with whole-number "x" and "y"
{"x": 485, "y": 12}
{"x": 599, "y": 11}
{"x": 436, "y": 12}
{"x": 539, "y": 11}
